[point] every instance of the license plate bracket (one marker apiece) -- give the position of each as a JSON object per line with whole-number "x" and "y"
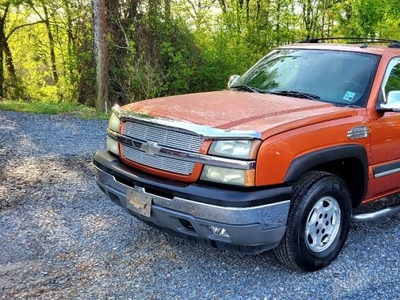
{"x": 138, "y": 201}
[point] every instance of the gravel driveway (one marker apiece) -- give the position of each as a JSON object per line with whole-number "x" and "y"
{"x": 60, "y": 238}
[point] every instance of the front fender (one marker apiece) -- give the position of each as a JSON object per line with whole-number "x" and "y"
{"x": 313, "y": 160}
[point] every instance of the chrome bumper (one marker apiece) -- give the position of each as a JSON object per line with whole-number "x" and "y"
{"x": 252, "y": 229}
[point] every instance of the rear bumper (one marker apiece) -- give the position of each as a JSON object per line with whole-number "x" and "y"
{"x": 255, "y": 221}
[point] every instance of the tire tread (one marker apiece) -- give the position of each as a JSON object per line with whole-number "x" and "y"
{"x": 284, "y": 252}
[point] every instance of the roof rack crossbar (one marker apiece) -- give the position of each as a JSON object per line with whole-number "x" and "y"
{"x": 394, "y": 43}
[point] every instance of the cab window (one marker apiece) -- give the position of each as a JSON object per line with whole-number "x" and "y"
{"x": 391, "y": 81}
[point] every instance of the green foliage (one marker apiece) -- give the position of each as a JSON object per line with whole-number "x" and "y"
{"x": 45, "y": 40}
{"x": 159, "y": 58}
{"x": 365, "y": 17}
{"x": 75, "y": 109}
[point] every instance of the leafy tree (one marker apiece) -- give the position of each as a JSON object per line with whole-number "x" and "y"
{"x": 163, "y": 47}
{"x": 14, "y": 88}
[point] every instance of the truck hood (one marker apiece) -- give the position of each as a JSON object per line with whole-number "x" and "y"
{"x": 231, "y": 110}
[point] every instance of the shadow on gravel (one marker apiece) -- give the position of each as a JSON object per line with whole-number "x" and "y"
{"x": 24, "y": 179}
{"x": 265, "y": 260}
{"x": 39, "y": 150}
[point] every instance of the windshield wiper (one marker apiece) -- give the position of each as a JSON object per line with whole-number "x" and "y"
{"x": 296, "y": 94}
{"x": 246, "y": 88}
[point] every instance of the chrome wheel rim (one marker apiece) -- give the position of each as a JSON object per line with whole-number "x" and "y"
{"x": 323, "y": 224}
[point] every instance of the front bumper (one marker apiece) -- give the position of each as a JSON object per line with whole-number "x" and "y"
{"x": 254, "y": 220}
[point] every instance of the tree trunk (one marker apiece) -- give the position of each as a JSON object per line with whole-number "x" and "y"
{"x": 9, "y": 62}
{"x": 167, "y": 14}
{"x": 71, "y": 49}
{"x": 99, "y": 25}
{"x": 9, "y": 59}
{"x": 51, "y": 42}
{"x": 1, "y": 58}
{"x": 2, "y": 42}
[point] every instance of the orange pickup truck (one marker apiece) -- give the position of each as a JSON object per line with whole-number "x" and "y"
{"x": 278, "y": 161}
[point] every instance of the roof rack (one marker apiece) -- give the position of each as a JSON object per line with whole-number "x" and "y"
{"x": 394, "y": 45}
{"x": 356, "y": 40}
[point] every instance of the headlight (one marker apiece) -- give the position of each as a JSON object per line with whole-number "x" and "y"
{"x": 112, "y": 146}
{"x": 237, "y": 149}
{"x": 242, "y": 149}
{"x": 228, "y": 175}
{"x": 113, "y": 124}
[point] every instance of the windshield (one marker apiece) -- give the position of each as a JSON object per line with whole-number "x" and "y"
{"x": 337, "y": 77}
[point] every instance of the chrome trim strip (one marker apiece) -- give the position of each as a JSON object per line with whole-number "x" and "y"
{"x": 386, "y": 173}
{"x": 180, "y": 154}
{"x": 269, "y": 216}
{"x": 204, "y": 131}
{"x": 375, "y": 215}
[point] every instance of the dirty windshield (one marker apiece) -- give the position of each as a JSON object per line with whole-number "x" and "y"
{"x": 338, "y": 77}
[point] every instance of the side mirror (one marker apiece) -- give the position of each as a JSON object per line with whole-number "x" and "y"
{"x": 392, "y": 102}
{"x": 232, "y": 80}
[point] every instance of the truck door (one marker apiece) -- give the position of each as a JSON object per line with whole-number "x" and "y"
{"x": 385, "y": 139}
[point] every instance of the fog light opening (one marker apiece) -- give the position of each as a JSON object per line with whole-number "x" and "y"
{"x": 219, "y": 231}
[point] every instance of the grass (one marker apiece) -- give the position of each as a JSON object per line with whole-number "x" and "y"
{"x": 75, "y": 109}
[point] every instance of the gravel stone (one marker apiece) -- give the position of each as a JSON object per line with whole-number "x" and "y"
{"x": 61, "y": 238}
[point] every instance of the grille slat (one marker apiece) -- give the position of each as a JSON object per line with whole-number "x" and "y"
{"x": 163, "y": 136}
{"x": 158, "y": 162}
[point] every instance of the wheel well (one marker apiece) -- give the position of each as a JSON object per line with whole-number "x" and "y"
{"x": 350, "y": 170}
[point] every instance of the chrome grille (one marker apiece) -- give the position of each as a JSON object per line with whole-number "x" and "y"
{"x": 158, "y": 162}
{"x": 163, "y": 136}
{"x": 178, "y": 139}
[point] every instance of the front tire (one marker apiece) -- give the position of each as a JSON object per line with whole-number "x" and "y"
{"x": 318, "y": 222}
